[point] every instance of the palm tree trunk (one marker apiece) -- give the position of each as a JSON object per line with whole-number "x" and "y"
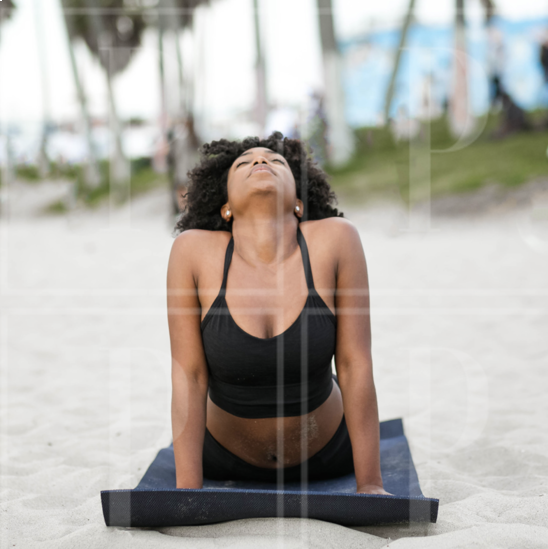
{"x": 118, "y": 164}
{"x": 162, "y": 152}
{"x": 184, "y": 142}
{"x": 92, "y": 174}
{"x": 460, "y": 119}
{"x": 341, "y": 140}
{"x": 43, "y": 161}
{"x": 397, "y": 60}
{"x": 180, "y": 73}
{"x": 261, "y": 102}
{"x": 489, "y": 7}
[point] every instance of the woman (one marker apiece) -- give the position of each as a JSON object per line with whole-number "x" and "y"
{"x": 252, "y": 343}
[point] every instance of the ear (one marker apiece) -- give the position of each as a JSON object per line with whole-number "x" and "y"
{"x": 301, "y": 208}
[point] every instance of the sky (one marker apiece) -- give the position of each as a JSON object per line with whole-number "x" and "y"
{"x": 222, "y": 44}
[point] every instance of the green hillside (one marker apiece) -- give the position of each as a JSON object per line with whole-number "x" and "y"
{"x": 382, "y": 167}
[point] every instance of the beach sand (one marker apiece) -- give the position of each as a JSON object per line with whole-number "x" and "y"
{"x": 459, "y": 309}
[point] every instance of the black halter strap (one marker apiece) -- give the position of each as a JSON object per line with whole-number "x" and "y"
{"x": 304, "y": 254}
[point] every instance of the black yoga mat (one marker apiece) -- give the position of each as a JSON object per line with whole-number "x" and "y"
{"x": 156, "y": 502}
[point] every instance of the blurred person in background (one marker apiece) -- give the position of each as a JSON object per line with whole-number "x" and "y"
{"x": 514, "y": 118}
{"x": 495, "y": 63}
{"x": 317, "y": 128}
{"x": 543, "y": 58}
{"x": 182, "y": 156}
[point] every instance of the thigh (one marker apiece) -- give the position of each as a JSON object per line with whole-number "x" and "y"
{"x": 335, "y": 458}
{"x": 217, "y": 461}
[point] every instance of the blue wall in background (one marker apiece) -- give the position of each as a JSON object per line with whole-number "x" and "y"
{"x": 368, "y": 62}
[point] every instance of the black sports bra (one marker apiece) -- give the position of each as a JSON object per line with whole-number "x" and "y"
{"x": 281, "y": 376}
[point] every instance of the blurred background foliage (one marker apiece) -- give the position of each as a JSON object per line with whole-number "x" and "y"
{"x": 380, "y": 167}
{"x": 505, "y": 145}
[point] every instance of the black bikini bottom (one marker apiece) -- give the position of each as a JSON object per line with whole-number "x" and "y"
{"x": 333, "y": 460}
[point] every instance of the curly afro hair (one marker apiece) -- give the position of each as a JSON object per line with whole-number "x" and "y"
{"x": 207, "y": 190}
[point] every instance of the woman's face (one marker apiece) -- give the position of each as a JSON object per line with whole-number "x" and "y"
{"x": 260, "y": 171}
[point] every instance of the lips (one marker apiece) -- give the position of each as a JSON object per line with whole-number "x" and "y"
{"x": 262, "y": 167}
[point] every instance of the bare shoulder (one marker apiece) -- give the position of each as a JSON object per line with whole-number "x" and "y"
{"x": 331, "y": 232}
{"x": 199, "y": 248}
{"x": 194, "y": 242}
{"x": 332, "y": 240}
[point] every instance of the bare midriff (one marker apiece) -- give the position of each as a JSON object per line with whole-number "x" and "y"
{"x": 276, "y": 442}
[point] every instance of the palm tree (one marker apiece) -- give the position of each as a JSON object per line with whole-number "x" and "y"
{"x": 489, "y": 7}
{"x": 460, "y": 121}
{"x": 163, "y": 23}
{"x": 261, "y": 106}
{"x": 397, "y": 60}
{"x": 184, "y": 18}
{"x": 495, "y": 49}
{"x": 181, "y": 136}
{"x": 6, "y": 10}
{"x": 43, "y": 161}
{"x": 112, "y": 33}
{"x": 460, "y": 118}
{"x": 92, "y": 175}
{"x": 341, "y": 138}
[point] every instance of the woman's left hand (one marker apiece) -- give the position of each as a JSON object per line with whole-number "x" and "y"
{"x": 372, "y": 489}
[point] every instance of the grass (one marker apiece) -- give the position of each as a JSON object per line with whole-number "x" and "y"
{"x": 28, "y": 173}
{"x": 142, "y": 179}
{"x": 58, "y": 207}
{"x": 383, "y": 167}
{"x": 31, "y": 173}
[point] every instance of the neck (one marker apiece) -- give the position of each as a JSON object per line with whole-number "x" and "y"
{"x": 265, "y": 241}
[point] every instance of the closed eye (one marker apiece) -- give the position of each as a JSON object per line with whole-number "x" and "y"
{"x": 274, "y": 160}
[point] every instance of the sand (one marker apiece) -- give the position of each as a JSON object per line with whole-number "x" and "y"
{"x": 460, "y": 348}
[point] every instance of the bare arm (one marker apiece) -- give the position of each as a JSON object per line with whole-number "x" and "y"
{"x": 353, "y": 359}
{"x": 188, "y": 365}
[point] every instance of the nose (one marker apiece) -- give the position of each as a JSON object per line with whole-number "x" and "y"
{"x": 259, "y": 160}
